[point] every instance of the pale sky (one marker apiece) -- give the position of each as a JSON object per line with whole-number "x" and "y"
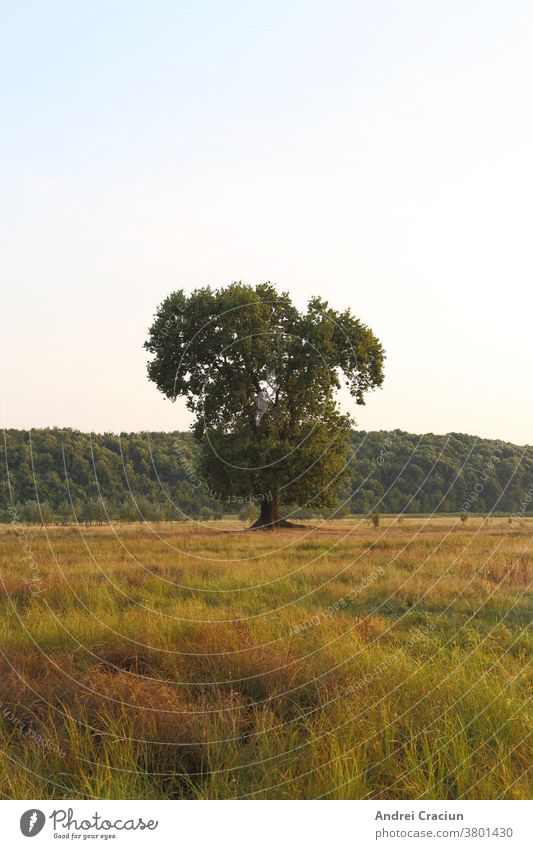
{"x": 377, "y": 153}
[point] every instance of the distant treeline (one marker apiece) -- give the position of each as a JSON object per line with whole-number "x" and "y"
{"x": 60, "y": 475}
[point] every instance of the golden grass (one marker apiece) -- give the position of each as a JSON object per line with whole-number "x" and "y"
{"x": 199, "y": 661}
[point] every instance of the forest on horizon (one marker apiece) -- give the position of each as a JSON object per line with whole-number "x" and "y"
{"x": 62, "y": 475}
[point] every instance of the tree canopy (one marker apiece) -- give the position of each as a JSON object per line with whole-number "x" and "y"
{"x": 62, "y": 475}
{"x": 261, "y": 378}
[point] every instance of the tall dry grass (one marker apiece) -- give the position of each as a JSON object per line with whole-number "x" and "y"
{"x": 340, "y": 662}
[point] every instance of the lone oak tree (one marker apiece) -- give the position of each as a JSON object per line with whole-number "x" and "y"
{"x": 261, "y": 378}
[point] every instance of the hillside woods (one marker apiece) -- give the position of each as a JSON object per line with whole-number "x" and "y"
{"x": 153, "y": 476}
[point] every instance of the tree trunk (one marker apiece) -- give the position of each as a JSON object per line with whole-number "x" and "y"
{"x": 269, "y": 515}
{"x": 269, "y": 518}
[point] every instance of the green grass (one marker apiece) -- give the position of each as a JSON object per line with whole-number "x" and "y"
{"x": 201, "y": 662}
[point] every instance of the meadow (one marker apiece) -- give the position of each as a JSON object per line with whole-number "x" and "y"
{"x": 200, "y": 661}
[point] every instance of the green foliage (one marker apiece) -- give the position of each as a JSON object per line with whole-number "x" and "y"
{"x": 96, "y": 477}
{"x": 205, "y": 514}
{"x": 261, "y": 377}
{"x": 247, "y": 513}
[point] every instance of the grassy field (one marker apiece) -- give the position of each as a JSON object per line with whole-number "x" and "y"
{"x": 198, "y": 661}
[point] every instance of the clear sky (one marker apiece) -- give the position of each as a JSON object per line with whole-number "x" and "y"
{"x": 375, "y": 152}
